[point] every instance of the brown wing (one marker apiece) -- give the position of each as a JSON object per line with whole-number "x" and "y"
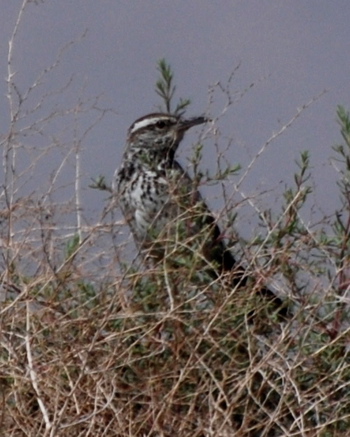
{"x": 213, "y": 246}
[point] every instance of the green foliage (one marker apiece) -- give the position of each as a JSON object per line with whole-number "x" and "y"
{"x": 166, "y": 90}
{"x": 341, "y": 225}
{"x": 99, "y": 183}
{"x": 72, "y": 246}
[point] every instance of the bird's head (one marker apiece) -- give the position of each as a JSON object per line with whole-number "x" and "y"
{"x": 160, "y": 132}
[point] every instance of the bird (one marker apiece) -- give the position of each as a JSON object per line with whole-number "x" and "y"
{"x": 162, "y": 205}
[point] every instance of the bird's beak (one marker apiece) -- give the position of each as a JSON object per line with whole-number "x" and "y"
{"x": 184, "y": 125}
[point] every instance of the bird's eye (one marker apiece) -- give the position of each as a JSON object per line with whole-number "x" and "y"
{"x": 161, "y": 124}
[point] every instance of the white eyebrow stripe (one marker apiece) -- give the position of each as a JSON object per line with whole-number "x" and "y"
{"x": 146, "y": 122}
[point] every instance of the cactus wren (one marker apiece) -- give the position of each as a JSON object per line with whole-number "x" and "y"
{"x": 161, "y": 203}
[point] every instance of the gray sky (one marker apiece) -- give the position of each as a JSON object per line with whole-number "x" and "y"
{"x": 291, "y": 51}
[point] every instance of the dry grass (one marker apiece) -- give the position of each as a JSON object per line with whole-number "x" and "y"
{"x": 82, "y": 357}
